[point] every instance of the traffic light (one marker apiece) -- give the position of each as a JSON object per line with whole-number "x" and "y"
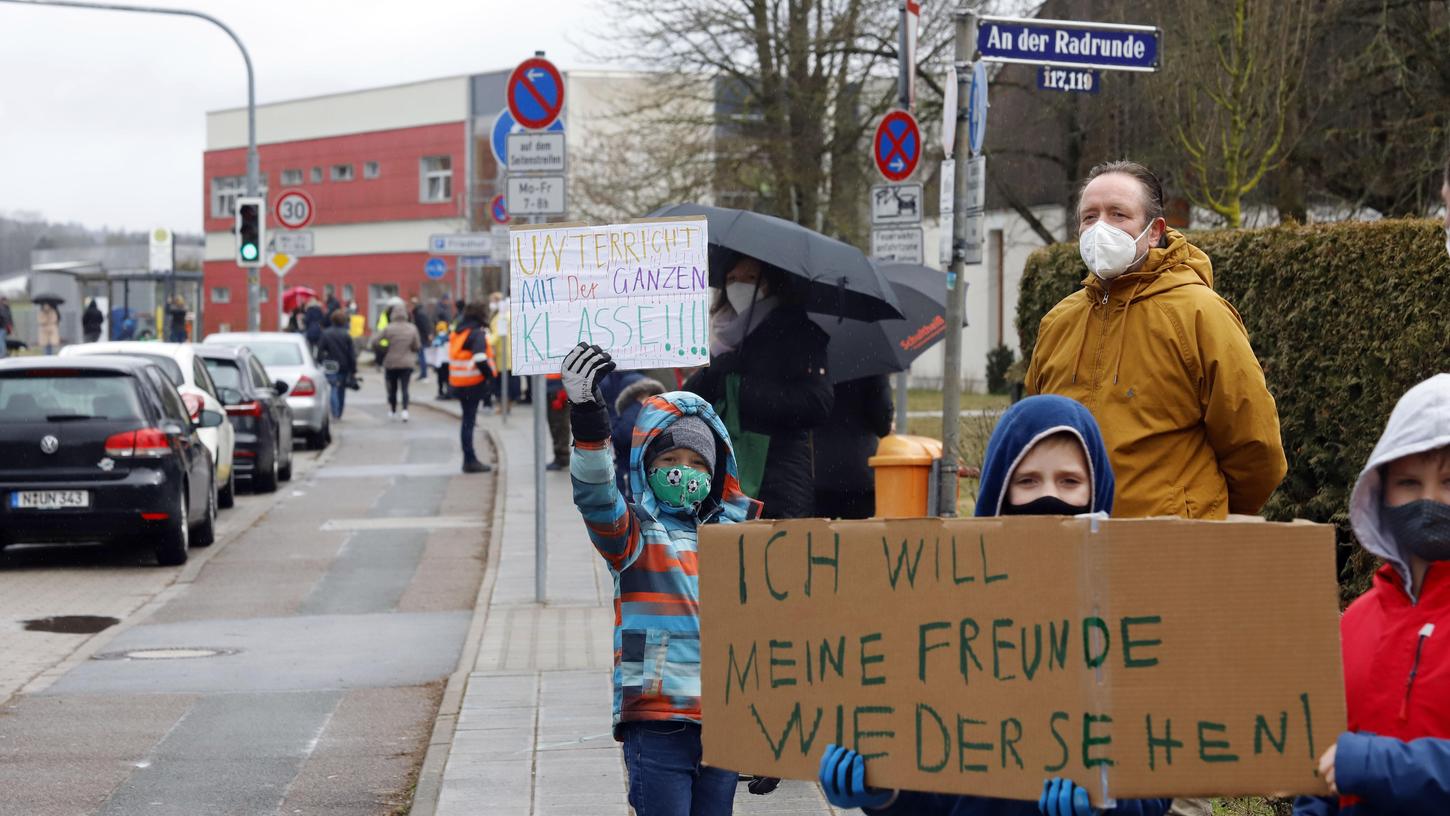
{"x": 251, "y": 230}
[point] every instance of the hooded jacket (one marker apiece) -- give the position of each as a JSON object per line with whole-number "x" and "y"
{"x": 402, "y": 339}
{"x": 1395, "y": 757}
{"x": 1166, "y": 368}
{"x": 651, "y": 551}
{"x": 1022, "y": 426}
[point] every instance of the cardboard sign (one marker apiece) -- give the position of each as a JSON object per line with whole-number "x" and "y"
{"x": 640, "y": 291}
{"x": 1148, "y": 658}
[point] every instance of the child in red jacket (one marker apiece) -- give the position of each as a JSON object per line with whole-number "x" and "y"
{"x": 1395, "y": 757}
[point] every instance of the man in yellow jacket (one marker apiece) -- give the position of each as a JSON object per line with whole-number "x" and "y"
{"x": 1161, "y": 360}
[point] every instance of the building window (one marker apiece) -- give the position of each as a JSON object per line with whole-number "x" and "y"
{"x": 224, "y": 193}
{"x": 342, "y": 172}
{"x": 435, "y": 178}
{"x": 328, "y": 291}
{"x": 317, "y": 175}
{"x": 291, "y": 177}
{"x": 221, "y": 294}
{"x": 371, "y": 170}
{"x": 347, "y": 293}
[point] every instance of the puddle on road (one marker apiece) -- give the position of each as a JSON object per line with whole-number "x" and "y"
{"x": 70, "y": 624}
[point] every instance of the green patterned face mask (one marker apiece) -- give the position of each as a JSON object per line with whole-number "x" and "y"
{"x": 679, "y": 487}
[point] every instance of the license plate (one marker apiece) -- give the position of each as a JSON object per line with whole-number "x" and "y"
{"x": 50, "y": 499}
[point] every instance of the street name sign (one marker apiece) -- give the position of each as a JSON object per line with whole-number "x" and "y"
{"x": 461, "y": 243}
{"x": 536, "y": 152}
{"x": 896, "y": 204}
{"x": 535, "y": 93}
{"x": 1068, "y": 43}
{"x": 1067, "y": 80}
{"x": 293, "y": 209}
{"x": 902, "y": 244}
{"x": 299, "y": 244}
{"x": 535, "y": 195}
{"x": 897, "y": 146}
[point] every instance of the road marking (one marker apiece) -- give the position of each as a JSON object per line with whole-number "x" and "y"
{"x": 402, "y": 523}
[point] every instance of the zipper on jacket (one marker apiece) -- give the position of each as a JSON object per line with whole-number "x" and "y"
{"x": 1425, "y": 632}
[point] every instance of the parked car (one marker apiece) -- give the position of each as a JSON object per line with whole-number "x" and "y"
{"x": 190, "y": 377}
{"x": 257, "y": 407}
{"x": 103, "y": 449}
{"x": 287, "y": 357}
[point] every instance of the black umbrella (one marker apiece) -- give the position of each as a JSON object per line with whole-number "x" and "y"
{"x": 863, "y": 349}
{"x": 47, "y": 297}
{"x": 839, "y": 279}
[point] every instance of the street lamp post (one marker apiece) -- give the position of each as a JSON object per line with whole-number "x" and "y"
{"x": 254, "y": 174}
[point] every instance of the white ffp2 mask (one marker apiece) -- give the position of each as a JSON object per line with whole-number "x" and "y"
{"x": 740, "y": 295}
{"x": 1107, "y": 250}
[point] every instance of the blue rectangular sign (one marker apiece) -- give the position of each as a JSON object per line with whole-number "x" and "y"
{"x": 1067, "y": 43}
{"x": 1068, "y": 80}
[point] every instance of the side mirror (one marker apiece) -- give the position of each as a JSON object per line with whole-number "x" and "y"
{"x": 281, "y": 388}
{"x": 229, "y": 396}
{"x": 209, "y": 419}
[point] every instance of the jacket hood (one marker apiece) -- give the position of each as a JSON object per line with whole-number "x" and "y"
{"x": 644, "y": 387}
{"x": 660, "y": 412}
{"x": 1419, "y": 423}
{"x": 397, "y": 312}
{"x": 1028, "y": 422}
{"x": 1178, "y": 264}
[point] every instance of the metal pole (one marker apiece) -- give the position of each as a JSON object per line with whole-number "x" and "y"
{"x": 254, "y": 291}
{"x": 903, "y": 95}
{"x": 541, "y": 539}
{"x": 966, "y": 29}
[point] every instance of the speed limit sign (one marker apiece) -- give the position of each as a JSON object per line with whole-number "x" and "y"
{"x": 293, "y": 209}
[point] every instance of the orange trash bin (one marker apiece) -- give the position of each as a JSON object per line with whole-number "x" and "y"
{"x": 903, "y": 475}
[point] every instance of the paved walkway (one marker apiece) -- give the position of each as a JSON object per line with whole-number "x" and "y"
{"x": 532, "y": 734}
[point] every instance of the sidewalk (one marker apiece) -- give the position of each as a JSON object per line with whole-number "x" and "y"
{"x": 533, "y": 733}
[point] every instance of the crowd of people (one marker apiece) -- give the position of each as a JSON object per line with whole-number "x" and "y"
{"x": 1145, "y": 399}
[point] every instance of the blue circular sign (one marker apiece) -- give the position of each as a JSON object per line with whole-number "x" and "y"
{"x": 435, "y": 268}
{"x": 503, "y": 126}
{"x": 977, "y": 109}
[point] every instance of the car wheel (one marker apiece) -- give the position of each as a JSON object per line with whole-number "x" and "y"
{"x": 265, "y": 478}
{"x": 205, "y": 531}
{"x": 172, "y": 543}
{"x": 284, "y": 469}
{"x": 318, "y": 440}
{"x": 227, "y": 497}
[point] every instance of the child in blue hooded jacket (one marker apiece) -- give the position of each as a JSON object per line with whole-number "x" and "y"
{"x": 682, "y": 474}
{"x": 1046, "y": 458}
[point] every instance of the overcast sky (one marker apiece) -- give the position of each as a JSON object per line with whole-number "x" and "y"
{"x": 102, "y": 114}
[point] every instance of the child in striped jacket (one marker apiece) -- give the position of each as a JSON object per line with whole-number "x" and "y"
{"x": 682, "y": 474}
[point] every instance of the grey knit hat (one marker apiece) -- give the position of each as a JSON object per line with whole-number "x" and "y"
{"x": 686, "y": 432}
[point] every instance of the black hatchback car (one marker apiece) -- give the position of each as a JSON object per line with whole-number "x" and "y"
{"x": 257, "y": 407}
{"x": 102, "y": 449}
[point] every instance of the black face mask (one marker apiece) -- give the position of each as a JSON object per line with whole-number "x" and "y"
{"x": 1421, "y": 527}
{"x": 1044, "y": 506}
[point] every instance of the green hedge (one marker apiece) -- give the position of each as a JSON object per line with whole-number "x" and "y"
{"x": 1344, "y": 318}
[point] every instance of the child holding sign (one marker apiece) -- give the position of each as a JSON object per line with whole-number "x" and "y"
{"x": 1395, "y": 757}
{"x": 682, "y": 473}
{"x": 1046, "y": 458}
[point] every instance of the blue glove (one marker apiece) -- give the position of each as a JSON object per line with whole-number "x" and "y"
{"x": 1064, "y": 797}
{"x": 843, "y": 778}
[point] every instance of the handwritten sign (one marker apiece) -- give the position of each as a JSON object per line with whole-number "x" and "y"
{"x": 640, "y": 291}
{"x": 1151, "y": 658}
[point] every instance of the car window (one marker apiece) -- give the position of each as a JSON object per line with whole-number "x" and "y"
{"x": 170, "y": 400}
{"x": 259, "y": 374}
{"x": 43, "y": 397}
{"x": 276, "y": 353}
{"x": 225, "y": 373}
{"x": 202, "y": 378}
{"x": 166, "y": 364}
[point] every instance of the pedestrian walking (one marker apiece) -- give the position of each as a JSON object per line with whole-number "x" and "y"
{"x": 313, "y": 322}
{"x": 339, "y": 359}
{"x": 400, "y": 346}
{"x": 423, "y": 322}
{"x": 468, "y": 372}
{"x": 92, "y": 321}
{"x": 683, "y": 468}
{"x": 49, "y": 322}
{"x": 176, "y": 320}
{"x": 7, "y": 327}
{"x": 767, "y": 380}
{"x": 861, "y": 413}
{"x": 1162, "y": 361}
{"x": 1046, "y": 458}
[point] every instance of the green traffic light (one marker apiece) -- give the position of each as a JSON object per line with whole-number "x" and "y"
{"x": 249, "y": 252}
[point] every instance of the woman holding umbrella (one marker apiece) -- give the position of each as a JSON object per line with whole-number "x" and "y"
{"x": 767, "y": 374}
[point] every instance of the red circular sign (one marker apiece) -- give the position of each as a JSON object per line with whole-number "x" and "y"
{"x": 293, "y": 209}
{"x": 498, "y": 208}
{"x": 897, "y": 146}
{"x": 535, "y": 93}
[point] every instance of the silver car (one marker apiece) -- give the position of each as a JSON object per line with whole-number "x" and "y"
{"x": 287, "y": 357}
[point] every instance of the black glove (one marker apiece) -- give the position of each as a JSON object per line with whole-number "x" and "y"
{"x": 582, "y": 369}
{"x": 762, "y": 785}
